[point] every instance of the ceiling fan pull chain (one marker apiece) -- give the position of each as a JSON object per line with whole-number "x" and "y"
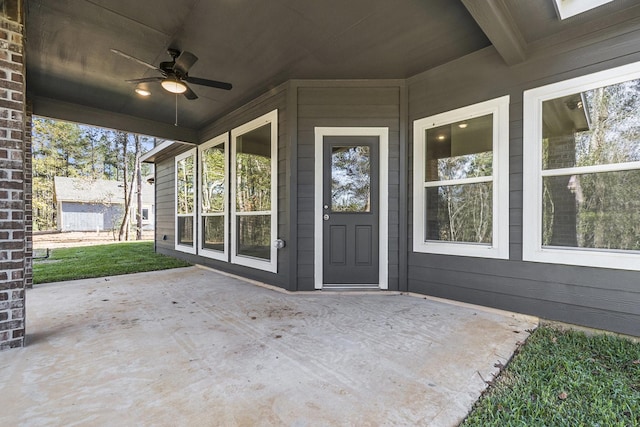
{"x": 176, "y": 122}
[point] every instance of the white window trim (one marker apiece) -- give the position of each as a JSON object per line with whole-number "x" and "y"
{"x": 272, "y": 264}
{"x": 222, "y": 256}
{"x": 499, "y": 248}
{"x": 177, "y": 246}
{"x": 532, "y": 249}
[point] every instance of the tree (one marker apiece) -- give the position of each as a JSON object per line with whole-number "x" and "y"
{"x": 73, "y": 150}
{"x": 58, "y": 150}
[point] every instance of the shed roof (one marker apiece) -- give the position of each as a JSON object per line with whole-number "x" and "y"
{"x": 87, "y": 190}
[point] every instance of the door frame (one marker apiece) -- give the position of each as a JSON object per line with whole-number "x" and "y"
{"x": 383, "y": 241}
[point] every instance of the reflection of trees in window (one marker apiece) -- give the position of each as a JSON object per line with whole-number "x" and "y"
{"x": 598, "y": 129}
{"x": 213, "y": 179}
{"x": 254, "y": 235}
{"x": 253, "y": 170}
{"x": 253, "y": 193}
{"x": 460, "y": 213}
{"x": 351, "y": 179}
{"x": 213, "y": 232}
{"x": 253, "y": 182}
{"x": 459, "y": 187}
{"x": 185, "y": 230}
{"x": 185, "y": 185}
{"x": 212, "y": 186}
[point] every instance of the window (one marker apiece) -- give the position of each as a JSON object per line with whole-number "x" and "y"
{"x": 145, "y": 214}
{"x": 582, "y": 171}
{"x": 213, "y": 188}
{"x": 461, "y": 181}
{"x": 185, "y": 201}
{"x": 254, "y": 161}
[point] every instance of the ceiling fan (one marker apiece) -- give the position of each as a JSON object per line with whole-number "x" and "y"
{"x": 175, "y": 73}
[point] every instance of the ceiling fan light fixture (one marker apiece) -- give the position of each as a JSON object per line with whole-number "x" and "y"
{"x": 173, "y": 86}
{"x": 142, "y": 90}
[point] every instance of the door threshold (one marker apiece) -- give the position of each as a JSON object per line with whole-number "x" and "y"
{"x": 350, "y": 287}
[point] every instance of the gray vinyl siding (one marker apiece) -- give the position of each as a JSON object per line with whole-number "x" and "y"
{"x": 595, "y": 297}
{"x": 344, "y": 104}
{"x": 165, "y": 190}
{"x": 76, "y": 216}
{"x": 165, "y": 205}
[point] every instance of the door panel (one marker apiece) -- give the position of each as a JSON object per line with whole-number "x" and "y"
{"x": 338, "y": 244}
{"x": 350, "y": 210}
{"x": 364, "y": 244}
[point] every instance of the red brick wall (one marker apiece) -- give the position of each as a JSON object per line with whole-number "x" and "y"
{"x": 15, "y": 180}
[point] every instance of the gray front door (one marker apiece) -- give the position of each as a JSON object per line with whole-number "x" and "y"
{"x": 350, "y": 210}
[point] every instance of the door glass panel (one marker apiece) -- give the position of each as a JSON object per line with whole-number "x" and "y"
{"x": 351, "y": 179}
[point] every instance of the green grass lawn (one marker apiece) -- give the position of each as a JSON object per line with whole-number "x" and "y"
{"x": 565, "y": 378}
{"x": 100, "y": 261}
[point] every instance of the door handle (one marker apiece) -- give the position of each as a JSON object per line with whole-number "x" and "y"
{"x": 325, "y": 217}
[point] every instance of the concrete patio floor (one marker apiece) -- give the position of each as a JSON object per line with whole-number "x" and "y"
{"x": 192, "y": 347}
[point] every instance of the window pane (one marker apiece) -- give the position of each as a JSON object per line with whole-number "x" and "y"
{"x": 600, "y": 210}
{"x": 253, "y": 170}
{"x": 185, "y": 230}
{"x": 184, "y": 185}
{"x": 213, "y": 179}
{"x": 350, "y": 179}
{"x": 460, "y": 150}
{"x": 460, "y": 213}
{"x": 596, "y": 127}
{"x": 254, "y": 236}
{"x": 213, "y": 232}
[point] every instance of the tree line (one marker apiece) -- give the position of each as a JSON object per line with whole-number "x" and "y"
{"x": 78, "y": 151}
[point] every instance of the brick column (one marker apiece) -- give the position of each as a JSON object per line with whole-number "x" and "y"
{"x": 15, "y": 185}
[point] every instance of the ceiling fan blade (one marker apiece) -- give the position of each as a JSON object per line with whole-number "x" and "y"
{"x": 189, "y": 94}
{"x": 210, "y": 83}
{"x": 184, "y": 62}
{"x": 133, "y": 58}
{"x": 145, "y": 80}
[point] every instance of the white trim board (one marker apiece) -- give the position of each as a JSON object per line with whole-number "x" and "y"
{"x": 383, "y": 138}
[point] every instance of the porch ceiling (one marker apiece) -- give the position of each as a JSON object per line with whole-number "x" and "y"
{"x": 254, "y": 45}
{"x": 257, "y": 45}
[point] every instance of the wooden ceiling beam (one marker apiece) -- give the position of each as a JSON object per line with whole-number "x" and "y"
{"x": 495, "y": 20}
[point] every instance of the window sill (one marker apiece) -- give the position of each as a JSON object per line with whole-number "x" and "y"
{"x": 618, "y": 260}
{"x": 461, "y": 249}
